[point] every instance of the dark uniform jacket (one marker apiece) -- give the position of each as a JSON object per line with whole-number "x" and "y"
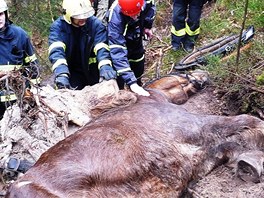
{"x": 125, "y": 38}
{"x": 83, "y": 50}
{"x": 16, "y": 51}
{"x": 15, "y": 48}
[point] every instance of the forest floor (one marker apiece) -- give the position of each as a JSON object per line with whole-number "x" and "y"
{"x": 221, "y": 182}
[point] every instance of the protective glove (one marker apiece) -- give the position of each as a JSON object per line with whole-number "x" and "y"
{"x": 107, "y": 72}
{"x": 139, "y": 90}
{"x": 62, "y": 81}
{"x": 148, "y": 34}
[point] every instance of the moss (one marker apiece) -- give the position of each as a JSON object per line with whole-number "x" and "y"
{"x": 260, "y": 79}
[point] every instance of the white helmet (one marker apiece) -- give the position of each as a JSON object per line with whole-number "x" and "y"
{"x": 78, "y": 9}
{"x": 3, "y": 6}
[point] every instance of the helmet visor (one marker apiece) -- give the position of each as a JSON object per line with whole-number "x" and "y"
{"x": 83, "y": 16}
{"x": 3, "y": 8}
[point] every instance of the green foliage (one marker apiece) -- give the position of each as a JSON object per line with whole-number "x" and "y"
{"x": 34, "y": 18}
{"x": 260, "y": 79}
{"x": 238, "y": 82}
{"x": 214, "y": 67}
{"x": 226, "y": 18}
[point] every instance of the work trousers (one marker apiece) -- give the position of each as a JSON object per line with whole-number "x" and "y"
{"x": 186, "y": 21}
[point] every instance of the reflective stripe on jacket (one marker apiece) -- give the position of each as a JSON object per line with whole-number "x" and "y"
{"x": 7, "y": 97}
{"x": 123, "y": 30}
{"x": 16, "y": 51}
{"x": 92, "y": 41}
{"x": 15, "y": 47}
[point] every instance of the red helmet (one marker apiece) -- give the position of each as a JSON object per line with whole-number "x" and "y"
{"x": 131, "y": 7}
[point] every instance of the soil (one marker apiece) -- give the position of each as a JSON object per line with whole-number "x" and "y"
{"x": 221, "y": 182}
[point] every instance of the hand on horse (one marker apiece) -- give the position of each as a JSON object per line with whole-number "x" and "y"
{"x": 139, "y": 90}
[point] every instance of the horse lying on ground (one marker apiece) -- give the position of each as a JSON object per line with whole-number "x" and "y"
{"x": 151, "y": 148}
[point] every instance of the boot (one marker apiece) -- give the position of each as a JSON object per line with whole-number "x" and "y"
{"x": 16, "y": 165}
{"x": 188, "y": 44}
{"x": 188, "y": 47}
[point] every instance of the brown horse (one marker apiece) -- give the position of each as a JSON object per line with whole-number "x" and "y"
{"x": 151, "y": 148}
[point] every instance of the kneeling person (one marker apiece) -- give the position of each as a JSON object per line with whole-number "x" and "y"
{"x": 78, "y": 47}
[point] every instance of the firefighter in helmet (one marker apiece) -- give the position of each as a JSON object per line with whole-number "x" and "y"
{"x": 78, "y": 47}
{"x": 16, "y": 52}
{"x": 129, "y": 21}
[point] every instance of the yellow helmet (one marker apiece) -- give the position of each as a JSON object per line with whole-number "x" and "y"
{"x": 79, "y": 9}
{"x": 3, "y": 6}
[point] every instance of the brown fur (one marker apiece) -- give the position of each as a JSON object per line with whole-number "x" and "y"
{"x": 179, "y": 87}
{"x": 152, "y": 148}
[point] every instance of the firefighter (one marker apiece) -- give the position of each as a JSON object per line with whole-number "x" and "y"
{"x": 101, "y": 7}
{"x": 16, "y": 51}
{"x": 78, "y": 47}
{"x": 186, "y": 23}
{"x": 129, "y": 21}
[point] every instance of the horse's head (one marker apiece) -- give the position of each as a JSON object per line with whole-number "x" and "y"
{"x": 177, "y": 87}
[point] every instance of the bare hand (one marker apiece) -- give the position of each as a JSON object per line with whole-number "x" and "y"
{"x": 139, "y": 90}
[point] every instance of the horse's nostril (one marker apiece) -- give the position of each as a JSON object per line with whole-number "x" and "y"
{"x": 198, "y": 84}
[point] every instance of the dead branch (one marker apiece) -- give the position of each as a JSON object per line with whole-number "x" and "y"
{"x": 241, "y": 32}
{"x": 257, "y": 89}
{"x": 259, "y": 65}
